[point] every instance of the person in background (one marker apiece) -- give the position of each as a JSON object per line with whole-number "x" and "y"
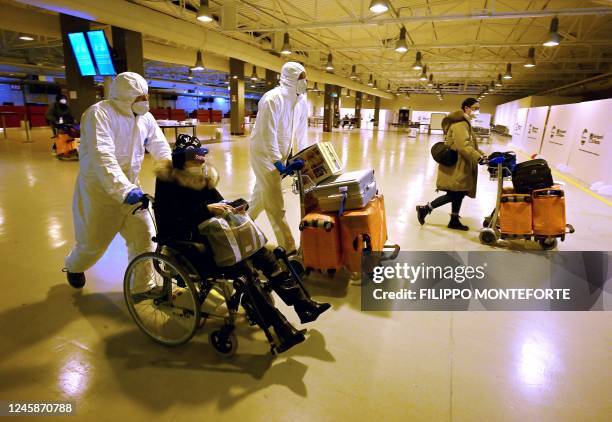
{"x": 282, "y": 118}
{"x": 58, "y": 112}
{"x": 114, "y": 135}
{"x": 459, "y": 180}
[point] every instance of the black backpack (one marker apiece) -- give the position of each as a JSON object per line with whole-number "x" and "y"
{"x": 530, "y": 175}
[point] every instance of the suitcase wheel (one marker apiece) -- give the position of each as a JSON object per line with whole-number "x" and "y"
{"x": 331, "y": 272}
{"x": 548, "y": 243}
{"x": 488, "y": 236}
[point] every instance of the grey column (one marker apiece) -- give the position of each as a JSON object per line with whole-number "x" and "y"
{"x": 328, "y": 108}
{"x": 236, "y": 96}
{"x": 81, "y": 89}
{"x": 271, "y": 79}
{"x": 358, "y": 101}
{"x": 376, "y": 110}
{"x": 128, "y": 49}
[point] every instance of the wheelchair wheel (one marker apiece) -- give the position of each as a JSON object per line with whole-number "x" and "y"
{"x": 224, "y": 342}
{"x": 170, "y": 312}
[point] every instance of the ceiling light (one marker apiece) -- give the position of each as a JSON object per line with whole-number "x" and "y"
{"x": 492, "y": 86}
{"x": 315, "y": 87}
{"x": 430, "y": 83}
{"x": 389, "y": 87}
{"x": 198, "y": 64}
{"x": 400, "y": 45}
{"x": 26, "y": 37}
{"x": 370, "y": 81}
{"x": 374, "y": 87}
{"x": 329, "y": 66}
{"x": 379, "y": 6}
{"x": 553, "y": 38}
{"x": 348, "y": 92}
{"x": 204, "y": 12}
{"x": 530, "y": 58}
{"x": 253, "y": 85}
{"x": 353, "y": 72}
{"x": 417, "y": 63}
{"x": 508, "y": 74}
{"x": 254, "y": 74}
{"x": 423, "y": 76}
{"x": 499, "y": 80}
{"x": 286, "y": 50}
{"x": 190, "y": 74}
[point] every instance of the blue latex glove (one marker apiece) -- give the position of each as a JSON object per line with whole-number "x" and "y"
{"x": 295, "y": 165}
{"x": 280, "y": 167}
{"x": 133, "y": 197}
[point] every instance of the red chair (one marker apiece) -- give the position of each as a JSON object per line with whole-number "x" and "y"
{"x": 36, "y": 115}
{"x": 178, "y": 114}
{"x": 13, "y": 120}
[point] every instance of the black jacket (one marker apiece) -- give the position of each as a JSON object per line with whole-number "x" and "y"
{"x": 181, "y": 201}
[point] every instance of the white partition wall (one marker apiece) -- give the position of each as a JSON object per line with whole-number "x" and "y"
{"x": 531, "y": 141}
{"x": 519, "y": 126}
{"x": 590, "y": 156}
{"x": 560, "y": 133}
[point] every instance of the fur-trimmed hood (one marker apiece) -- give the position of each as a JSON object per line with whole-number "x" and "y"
{"x": 454, "y": 117}
{"x": 167, "y": 173}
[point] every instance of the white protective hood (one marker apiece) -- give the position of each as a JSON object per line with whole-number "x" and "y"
{"x": 290, "y": 73}
{"x": 126, "y": 87}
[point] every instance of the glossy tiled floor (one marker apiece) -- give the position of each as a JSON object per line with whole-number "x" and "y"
{"x": 58, "y": 344}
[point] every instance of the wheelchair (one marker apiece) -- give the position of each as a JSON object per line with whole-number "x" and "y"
{"x": 171, "y": 313}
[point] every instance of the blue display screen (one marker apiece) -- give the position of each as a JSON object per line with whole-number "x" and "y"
{"x": 101, "y": 53}
{"x": 81, "y": 54}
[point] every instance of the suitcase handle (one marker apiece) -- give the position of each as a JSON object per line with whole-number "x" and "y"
{"x": 549, "y": 192}
{"x": 394, "y": 254}
{"x": 362, "y": 238}
{"x": 317, "y": 223}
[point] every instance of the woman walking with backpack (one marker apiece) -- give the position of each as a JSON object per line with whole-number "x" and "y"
{"x": 458, "y": 180}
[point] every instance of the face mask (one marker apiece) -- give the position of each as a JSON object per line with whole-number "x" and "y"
{"x": 141, "y": 107}
{"x": 301, "y": 87}
{"x": 63, "y": 101}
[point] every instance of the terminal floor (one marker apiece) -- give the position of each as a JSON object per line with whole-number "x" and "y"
{"x": 59, "y": 344}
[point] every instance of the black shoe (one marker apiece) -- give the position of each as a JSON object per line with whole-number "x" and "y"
{"x": 76, "y": 280}
{"x": 422, "y": 212}
{"x": 455, "y": 224}
{"x": 288, "y": 336}
{"x": 308, "y": 310}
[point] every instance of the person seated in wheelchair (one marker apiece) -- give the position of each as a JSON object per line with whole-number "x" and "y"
{"x": 186, "y": 196}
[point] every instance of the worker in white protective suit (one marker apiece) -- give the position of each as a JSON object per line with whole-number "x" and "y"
{"x": 280, "y": 128}
{"x": 114, "y": 135}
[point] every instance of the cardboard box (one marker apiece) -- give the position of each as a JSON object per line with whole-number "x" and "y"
{"x": 320, "y": 162}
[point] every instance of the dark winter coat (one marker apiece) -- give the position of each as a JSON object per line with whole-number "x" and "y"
{"x": 182, "y": 199}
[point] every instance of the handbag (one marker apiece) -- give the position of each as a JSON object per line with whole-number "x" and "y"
{"x": 232, "y": 238}
{"x": 444, "y": 154}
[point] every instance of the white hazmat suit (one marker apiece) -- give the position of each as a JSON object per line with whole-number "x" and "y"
{"x": 282, "y": 121}
{"x": 113, "y": 142}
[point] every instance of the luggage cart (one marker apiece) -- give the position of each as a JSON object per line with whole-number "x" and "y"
{"x": 491, "y": 233}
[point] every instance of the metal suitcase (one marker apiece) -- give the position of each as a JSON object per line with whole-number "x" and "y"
{"x": 348, "y": 191}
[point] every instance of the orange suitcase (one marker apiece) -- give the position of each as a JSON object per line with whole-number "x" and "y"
{"x": 366, "y": 226}
{"x": 515, "y": 213}
{"x": 549, "y": 211}
{"x": 320, "y": 241}
{"x": 65, "y": 144}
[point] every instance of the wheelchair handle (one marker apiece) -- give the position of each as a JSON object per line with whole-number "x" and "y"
{"x": 144, "y": 202}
